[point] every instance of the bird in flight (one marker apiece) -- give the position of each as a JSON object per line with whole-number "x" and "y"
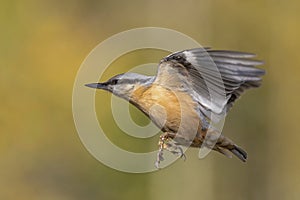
{"x": 192, "y": 90}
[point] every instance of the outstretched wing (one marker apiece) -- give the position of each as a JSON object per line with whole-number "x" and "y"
{"x": 215, "y": 78}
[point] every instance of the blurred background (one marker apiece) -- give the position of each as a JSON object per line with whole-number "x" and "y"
{"x": 43, "y": 44}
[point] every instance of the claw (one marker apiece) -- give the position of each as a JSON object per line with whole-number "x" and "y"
{"x": 157, "y": 164}
{"x": 169, "y": 146}
{"x": 179, "y": 152}
{"x": 182, "y": 155}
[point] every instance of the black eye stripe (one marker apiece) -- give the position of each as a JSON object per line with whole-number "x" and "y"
{"x": 114, "y": 81}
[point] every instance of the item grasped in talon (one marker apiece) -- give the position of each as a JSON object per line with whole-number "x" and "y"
{"x": 191, "y": 86}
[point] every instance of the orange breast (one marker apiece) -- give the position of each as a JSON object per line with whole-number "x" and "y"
{"x": 169, "y": 110}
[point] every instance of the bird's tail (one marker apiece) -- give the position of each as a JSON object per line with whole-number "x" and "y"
{"x": 225, "y": 144}
{"x": 239, "y": 152}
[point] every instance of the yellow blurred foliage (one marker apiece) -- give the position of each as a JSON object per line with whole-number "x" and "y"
{"x": 43, "y": 44}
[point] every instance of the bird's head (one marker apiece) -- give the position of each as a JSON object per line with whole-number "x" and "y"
{"x": 123, "y": 85}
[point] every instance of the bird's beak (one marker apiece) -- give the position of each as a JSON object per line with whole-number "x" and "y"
{"x": 103, "y": 86}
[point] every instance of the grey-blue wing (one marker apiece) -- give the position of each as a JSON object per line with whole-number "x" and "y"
{"x": 217, "y": 77}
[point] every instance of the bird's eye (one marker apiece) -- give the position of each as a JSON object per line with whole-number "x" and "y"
{"x": 114, "y": 82}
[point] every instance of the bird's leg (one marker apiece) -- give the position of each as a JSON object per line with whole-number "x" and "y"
{"x": 166, "y": 142}
{"x": 161, "y": 144}
{"x": 175, "y": 149}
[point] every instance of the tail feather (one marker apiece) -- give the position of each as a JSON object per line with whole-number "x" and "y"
{"x": 225, "y": 144}
{"x": 239, "y": 152}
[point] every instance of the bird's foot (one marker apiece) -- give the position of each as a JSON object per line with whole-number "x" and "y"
{"x": 177, "y": 150}
{"x": 166, "y": 143}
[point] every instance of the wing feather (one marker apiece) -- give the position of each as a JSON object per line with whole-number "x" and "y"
{"x": 215, "y": 78}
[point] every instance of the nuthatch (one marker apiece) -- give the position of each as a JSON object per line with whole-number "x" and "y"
{"x": 190, "y": 87}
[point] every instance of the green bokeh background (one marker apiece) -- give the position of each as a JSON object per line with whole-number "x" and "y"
{"x": 42, "y": 46}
